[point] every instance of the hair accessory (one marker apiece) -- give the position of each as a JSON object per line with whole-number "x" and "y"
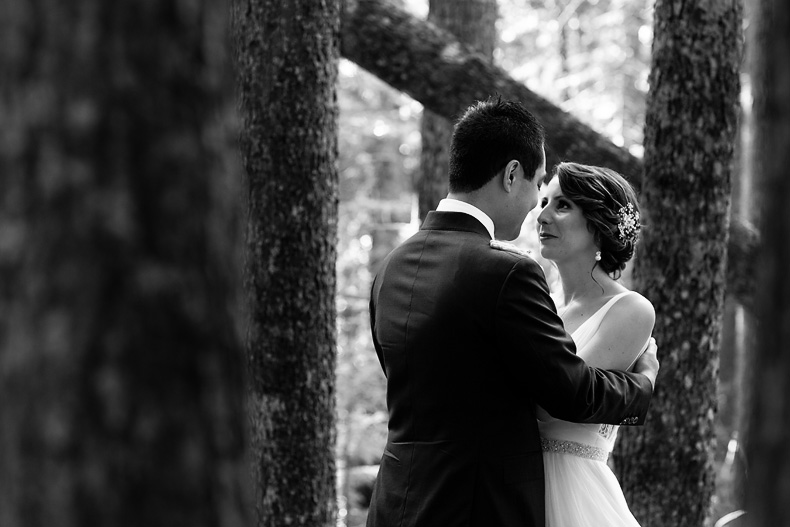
{"x": 597, "y": 256}
{"x": 628, "y": 224}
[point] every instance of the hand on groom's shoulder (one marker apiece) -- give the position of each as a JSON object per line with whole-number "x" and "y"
{"x": 508, "y": 247}
{"x": 522, "y": 262}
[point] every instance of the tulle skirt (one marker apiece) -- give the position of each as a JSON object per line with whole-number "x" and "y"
{"x": 581, "y": 492}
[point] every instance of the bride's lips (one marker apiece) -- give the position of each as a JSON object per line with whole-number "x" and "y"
{"x": 545, "y": 236}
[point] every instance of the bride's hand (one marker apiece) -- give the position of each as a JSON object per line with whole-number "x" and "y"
{"x": 647, "y": 363}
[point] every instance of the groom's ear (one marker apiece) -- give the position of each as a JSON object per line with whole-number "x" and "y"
{"x": 510, "y": 174}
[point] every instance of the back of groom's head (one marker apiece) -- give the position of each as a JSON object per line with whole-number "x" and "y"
{"x": 489, "y": 135}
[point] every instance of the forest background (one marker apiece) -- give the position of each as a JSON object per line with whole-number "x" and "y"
{"x": 183, "y": 305}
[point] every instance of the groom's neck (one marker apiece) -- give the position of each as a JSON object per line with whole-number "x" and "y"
{"x": 476, "y": 198}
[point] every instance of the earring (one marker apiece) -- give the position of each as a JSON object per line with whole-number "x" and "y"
{"x": 597, "y": 256}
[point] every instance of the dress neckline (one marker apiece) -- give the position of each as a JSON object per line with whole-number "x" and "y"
{"x": 601, "y": 310}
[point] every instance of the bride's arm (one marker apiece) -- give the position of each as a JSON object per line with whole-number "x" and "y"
{"x": 623, "y": 334}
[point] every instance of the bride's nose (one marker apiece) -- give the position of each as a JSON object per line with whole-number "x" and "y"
{"x": 542, "y": 217}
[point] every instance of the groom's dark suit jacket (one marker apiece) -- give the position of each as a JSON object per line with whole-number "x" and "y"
{"x": 470, "y": 342}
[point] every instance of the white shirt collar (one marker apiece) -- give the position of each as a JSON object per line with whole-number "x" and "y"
{"x": 454, "y": 205}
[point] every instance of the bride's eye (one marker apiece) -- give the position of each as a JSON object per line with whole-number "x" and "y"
{"x": 543, "y": 203}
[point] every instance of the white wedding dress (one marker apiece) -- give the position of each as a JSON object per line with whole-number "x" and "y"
{"x": 581, "y": 490}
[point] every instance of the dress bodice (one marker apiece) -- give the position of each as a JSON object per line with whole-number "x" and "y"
{"x": 590, "y": 440}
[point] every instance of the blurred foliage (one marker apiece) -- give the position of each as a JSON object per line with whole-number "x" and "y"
{"x": 591, "y": 58}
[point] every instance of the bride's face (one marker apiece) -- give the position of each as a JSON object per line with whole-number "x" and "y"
{"x": 562, "y": 228}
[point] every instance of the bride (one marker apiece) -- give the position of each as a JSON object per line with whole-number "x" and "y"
{"x": 589, "y": 226}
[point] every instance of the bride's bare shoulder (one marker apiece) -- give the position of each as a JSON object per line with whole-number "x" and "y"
{"x": 635, "y": 308}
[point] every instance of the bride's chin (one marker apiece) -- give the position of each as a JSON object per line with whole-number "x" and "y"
{"x": 548, "y": 255}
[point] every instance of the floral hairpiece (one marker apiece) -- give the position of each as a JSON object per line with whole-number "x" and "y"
{"x": 628, "y": 224}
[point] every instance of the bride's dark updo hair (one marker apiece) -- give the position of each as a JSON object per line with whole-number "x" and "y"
{"x": 601, "y": 194}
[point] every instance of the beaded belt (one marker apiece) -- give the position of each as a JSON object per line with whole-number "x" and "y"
{"x": 573, "y": 448}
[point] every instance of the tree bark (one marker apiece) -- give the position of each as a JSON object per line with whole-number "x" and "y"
{"x": 432, "y": 67}
{"x": 472, "y": 22}
{"x": 120, "y": 361}
{"x": 287, "y": 55}
{"x": 666, "y": 467}
{"x": 769, "y": 434}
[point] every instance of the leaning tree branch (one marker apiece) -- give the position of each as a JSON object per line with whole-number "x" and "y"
{"x": 431, "y": 66}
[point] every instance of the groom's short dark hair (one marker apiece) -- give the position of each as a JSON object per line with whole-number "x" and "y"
{"x": 487, "y": 137}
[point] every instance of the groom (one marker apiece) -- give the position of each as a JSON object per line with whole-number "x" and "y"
{"x": 470, "y": 342}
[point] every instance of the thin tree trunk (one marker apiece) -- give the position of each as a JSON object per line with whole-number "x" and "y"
{"x": 432, "y": 179}
{"x": 743, "y": 387}
{"x": 666, "y": 467}
{"x": 287, "y": 55}
{"x": 432, "y": 67}
{"x": 121, "y": 367}
{"x": 732, "y": 490}
{"x": 472, "y": 22}
{"x": 769, "y": 435}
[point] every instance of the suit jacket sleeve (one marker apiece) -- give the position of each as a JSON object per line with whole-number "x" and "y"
{"x": 535, "y": 345}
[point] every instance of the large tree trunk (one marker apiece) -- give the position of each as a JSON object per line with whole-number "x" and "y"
{"x": 287, "y": 53}
{"x": 472, "y": 22}
{"x": 769, "y": 464}
{"x": 121, "y": 367}
{"x": 666, "y": 467}
{"x": 432, "y": 67}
